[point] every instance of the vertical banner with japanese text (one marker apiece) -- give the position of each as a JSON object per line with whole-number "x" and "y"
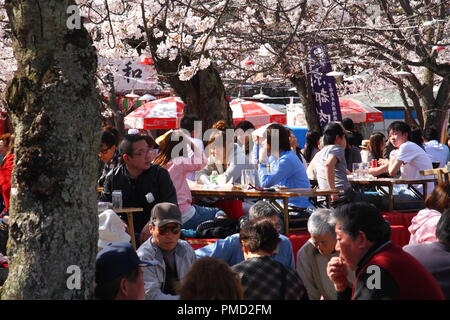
{"x": 324, "y": 87}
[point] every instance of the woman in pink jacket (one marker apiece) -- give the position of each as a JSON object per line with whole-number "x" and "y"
{"x": 423, "y": 225}
{"x": 172, "y": 155}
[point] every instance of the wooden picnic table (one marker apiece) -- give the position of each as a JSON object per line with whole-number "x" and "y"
{"x": 229, "y": 192}
{"x": 378, "y": 183}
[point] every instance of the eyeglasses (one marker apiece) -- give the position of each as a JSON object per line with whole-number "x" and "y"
{"x": 104, "y": 151}
{"x": 143, "y": 153}
{"x": 173, "y": 230}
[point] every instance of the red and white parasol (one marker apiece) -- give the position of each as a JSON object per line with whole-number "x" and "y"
{"x": 158, "y": 114}
{"x": 359, "y": 112}
{"x": 256, "y": 112}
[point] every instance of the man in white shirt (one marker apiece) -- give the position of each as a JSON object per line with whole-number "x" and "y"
{"x": 410, "y": 159}
{"x": 437, "y": 151}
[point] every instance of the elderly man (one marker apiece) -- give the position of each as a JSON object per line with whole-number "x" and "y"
{"x": 435, "y": 256}
{"x": 262, "y": 277}
{"x": 230, "y": 249}
{"x": 175, "y": 256}
{"x": 118, "y": 273}
{"x": 314, "y": 255}
{"x": 383, "y": 271}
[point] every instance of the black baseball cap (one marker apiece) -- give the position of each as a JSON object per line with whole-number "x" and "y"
{"x": 117, "y": 260}
{"x": 164, "y": 213}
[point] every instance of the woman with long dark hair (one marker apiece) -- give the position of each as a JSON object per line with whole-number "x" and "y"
{"x": 311, "y": 145}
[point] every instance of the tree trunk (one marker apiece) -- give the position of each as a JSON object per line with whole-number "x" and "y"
{"x": 435, "y": 116}
{"x": 304, "y": 91}
{"x": 55, "y": 109}
{"x": 204, "y": 94}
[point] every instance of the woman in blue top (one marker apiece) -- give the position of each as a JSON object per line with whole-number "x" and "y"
{"x": 288, "y": 170}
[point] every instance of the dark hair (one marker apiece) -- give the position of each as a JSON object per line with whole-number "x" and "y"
{"x": 110, "y": 289}
{"x": 126, "y": 145}
{"x": 188, "y": 121}
{"x": 331, "y": 131}
{"x": 312, "y": 142}
{"x": 210, "y": 279}
{"x": 363, "y": 216}
{"x": 416, "y": 137}
{"x": 439, "y": 199}
{"x": 430, "y": 134}
{"x": 443, "y": 228}
{"x": 166, "y": 146}
{"x": 348, "y": 124}
{"x": 375, "y": 142}
{"x": 114, "y": 131}
{"x": 281, "y": 133}
{"x": 108, "y": 139}
{"x": 259, "y": 235}
{"x": 245, "y": 125}
{"x": 400, "y": 126}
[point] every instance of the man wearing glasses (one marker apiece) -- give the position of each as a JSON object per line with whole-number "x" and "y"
{"x": 142, "y": 183}
{"x": 175, "y": 256}
{"x": 109, "y": 155}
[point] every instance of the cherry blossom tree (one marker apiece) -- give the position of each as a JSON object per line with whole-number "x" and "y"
{"x": 395, "y": 37}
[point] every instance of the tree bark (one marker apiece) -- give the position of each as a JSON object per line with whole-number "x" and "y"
{"x": 304, "y": 91}
{"x": 434, "y": 116}
{"x": 204, "y": 94}
{"x": 55, "y": 109}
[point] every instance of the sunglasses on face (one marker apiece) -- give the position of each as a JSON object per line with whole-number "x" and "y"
{"x": 173, "y": 230}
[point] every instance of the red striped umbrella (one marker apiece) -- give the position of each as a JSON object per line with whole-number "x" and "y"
{"x": 158, "y": 114}
{"x": 359, "y": 112}
{"x": 256, "y": 112}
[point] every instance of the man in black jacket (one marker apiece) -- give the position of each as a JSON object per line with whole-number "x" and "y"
{"x": 143, "y": 184}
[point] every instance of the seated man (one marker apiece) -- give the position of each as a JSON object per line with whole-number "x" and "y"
{"x": 230, "y": 249}
{"x": 438, "y": 152}
{"x": 118, "y": 275}
{"x": 175, "y": 256}
{"x": 383, "y": 271}
{"x": 435, "y": 256}
{"x": 143, "y": 184}
{"x": 261, "y": 276}
{"x": 314, "y": 255}
{"x": 410, "y": 159}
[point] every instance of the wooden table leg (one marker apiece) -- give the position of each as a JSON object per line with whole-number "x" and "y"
{"x": 131, "y": 229}
{"x": 391, "y": 198}
{"x": 286, "y": 215}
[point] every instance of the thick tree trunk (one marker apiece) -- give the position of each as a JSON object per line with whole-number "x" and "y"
{"x": 204, "y": 94}
{"x": 55, "y": 110}
{"x": 304, "y": 91}
{"x": 434, "y": 116}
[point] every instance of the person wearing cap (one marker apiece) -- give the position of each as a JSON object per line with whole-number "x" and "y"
{"x": 142, "y": 183}
{"x": 175, "y": 256}
{"x": 118, "y": 273}
{"x": 366, "y": 155}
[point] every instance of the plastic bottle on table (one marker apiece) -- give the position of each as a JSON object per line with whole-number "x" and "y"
{"x": 213, "y": 177}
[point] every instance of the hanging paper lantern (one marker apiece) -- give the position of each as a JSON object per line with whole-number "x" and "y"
{"x": 147, "y": 61}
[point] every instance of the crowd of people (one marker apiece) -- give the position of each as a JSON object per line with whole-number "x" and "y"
{"x": 258, "y": 261}
{"x": 349, "y": 254}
